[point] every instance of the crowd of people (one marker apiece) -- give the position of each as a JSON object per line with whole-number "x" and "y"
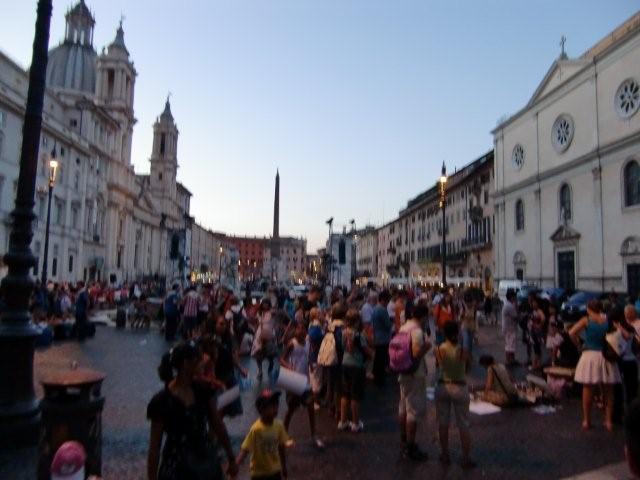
{"x": 61, "y": 310}
{"x": 335, "y": 338}
{"x": 600, "y": 349}
{"x": 338, "y": 340}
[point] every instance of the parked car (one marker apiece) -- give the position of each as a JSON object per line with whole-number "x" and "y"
{"x": 558, "y": 295}
{"x": 576, "y": 305}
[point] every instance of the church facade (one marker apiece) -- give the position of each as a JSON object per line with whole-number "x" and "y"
{"x": 567, "y": 173}
{"x": 107, "y": 222}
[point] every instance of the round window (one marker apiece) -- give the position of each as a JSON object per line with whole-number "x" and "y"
{"x": 628, "y": 98}
{"x": 517, "y": 156}
{"x": 562, "y": 133}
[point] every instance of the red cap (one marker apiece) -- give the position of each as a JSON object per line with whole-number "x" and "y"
{"x": 266, "y": 397}
{"x": 68, "y": 462}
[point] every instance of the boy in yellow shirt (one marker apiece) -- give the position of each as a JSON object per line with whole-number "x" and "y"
{"x": 266, "y": 441}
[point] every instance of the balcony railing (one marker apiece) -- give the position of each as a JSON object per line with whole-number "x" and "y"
{"x": 475, "y": 243}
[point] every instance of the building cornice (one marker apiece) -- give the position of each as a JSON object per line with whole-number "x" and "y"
{"x": 576, "y": 162}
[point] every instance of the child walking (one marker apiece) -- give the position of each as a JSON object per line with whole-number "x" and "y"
{"x": 266, "y": 441}
{"x": 296, "y": 357}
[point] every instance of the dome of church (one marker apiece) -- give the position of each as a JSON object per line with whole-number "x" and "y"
{"x": 72, "y": 64}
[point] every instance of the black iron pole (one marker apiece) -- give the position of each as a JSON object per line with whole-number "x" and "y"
{"x": 443, "y": 203}
{"x": 45, "y": 257}
{"x": 19, "y": 410}
{"x": 444, "y": 238}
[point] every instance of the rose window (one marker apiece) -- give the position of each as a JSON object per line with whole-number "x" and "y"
{"x": 628, "y": 98}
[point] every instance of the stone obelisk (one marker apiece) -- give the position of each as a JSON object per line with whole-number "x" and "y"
{"x": 275, "y": 238}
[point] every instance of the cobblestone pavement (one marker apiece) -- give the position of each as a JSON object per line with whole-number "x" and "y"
{"x": 514, "y": 444}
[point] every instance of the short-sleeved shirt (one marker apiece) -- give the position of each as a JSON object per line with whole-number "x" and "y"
{"x": 417, "y": 342}
{"x": 185, "y": 430}
{"x": 263, "y": 442}
{"x": 501, "y": 381}
{"x": 382, "y": 324}
{"x": 443, "y": 315}
{"x": 509, "y": 316}
{"x": 191, "y": 305}
{"x": 299, "y": 356}
{"x": 366, "y": 312}
{"x": 354, "y": 344}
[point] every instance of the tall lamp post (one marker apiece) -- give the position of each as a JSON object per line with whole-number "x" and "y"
{"x": 19, "y": 411}
{"x": 220, "y": 266}
{"x": 354, "y": 264}
{"x": 443, "y": 207}
{"x": 330, "y": 257}
{"x": 53, "y": 168}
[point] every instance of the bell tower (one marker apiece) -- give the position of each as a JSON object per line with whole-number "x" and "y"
{"x": 115, "y": 84}
{"x": 164, "y": 155}
{"x": 79, "y": 25}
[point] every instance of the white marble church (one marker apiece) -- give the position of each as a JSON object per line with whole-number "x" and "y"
{"x": 567, "y": 172}
{"x": 107, "y": 222}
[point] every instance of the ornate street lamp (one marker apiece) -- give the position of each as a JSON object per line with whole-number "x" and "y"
{"x": 443, "y": 205}
{"x": 53, "y": 169}
{"x": 19, "y": 411}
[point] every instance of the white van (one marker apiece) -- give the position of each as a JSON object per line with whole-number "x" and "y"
{"x": 505, "y": 285}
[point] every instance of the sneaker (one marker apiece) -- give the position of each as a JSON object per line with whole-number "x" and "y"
{"x": 318, "y": 443}
{"x": 356, "y": 427}
{"x": 343, "y": 426}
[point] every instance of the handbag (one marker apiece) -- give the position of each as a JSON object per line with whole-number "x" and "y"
{"x": 613, "y": 346}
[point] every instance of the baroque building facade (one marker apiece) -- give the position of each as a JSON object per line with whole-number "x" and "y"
{"x": 107, "y": 222}
{"x": 409, "y": 248}
{"x": 567, "y": 173}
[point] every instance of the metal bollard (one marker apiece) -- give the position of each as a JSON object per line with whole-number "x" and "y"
{"x": 71, "y": 410}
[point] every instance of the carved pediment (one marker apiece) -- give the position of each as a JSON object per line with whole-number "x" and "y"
{"x": 559, "y": 72}
{"x": 630, "y": 246}
{"x": 565, "y": 233}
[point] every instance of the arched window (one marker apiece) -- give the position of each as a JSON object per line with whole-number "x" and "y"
{"x": 519, "y": 215}
{"x": 565, "y": 202}
{"x": 632, "y": 184}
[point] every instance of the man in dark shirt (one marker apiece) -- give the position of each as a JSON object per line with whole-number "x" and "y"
{"x": 382, "y": 326}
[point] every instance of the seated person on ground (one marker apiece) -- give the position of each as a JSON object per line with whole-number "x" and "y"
{"x": 499, "y": 388}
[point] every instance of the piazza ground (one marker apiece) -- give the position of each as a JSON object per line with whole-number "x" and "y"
{"x": 514, "y": 444}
